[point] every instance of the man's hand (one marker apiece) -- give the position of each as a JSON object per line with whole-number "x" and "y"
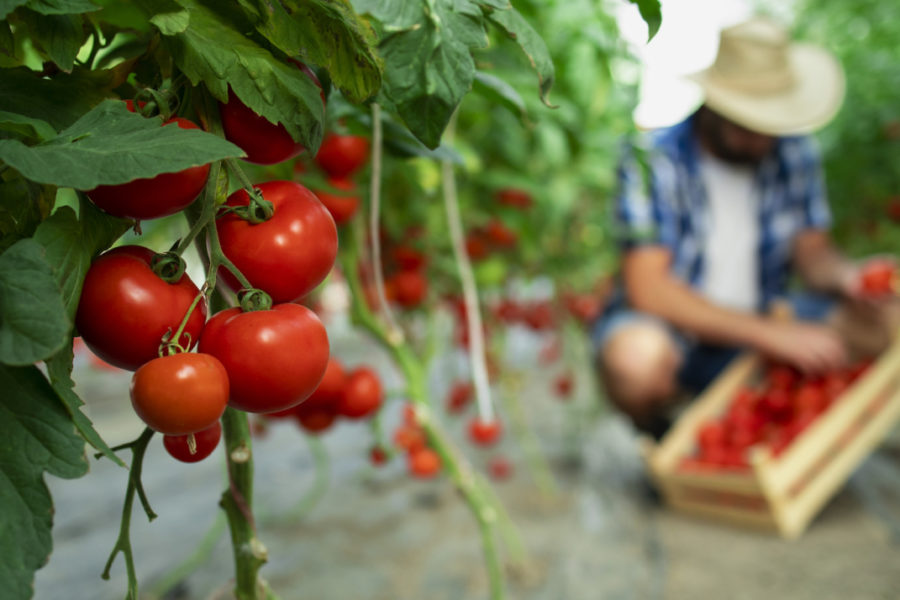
{"x": 810, "y": 347}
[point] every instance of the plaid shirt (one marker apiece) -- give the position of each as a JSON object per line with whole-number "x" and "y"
{"x": 661, "y": 200}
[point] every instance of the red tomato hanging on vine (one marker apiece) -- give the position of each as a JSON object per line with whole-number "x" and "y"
{"x": 274, "y": 358}
{"x": 205, "y": 442}
{"x": 341, "y": 206}
{"x": 342, "y": 155}
{"x": 362, "y": 394}
{"x": 290, "y": 253}
{"x": 125, "y": 308}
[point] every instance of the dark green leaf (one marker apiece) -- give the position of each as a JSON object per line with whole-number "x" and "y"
{"x": 170, "y": 17}
{"x": 327, "y": 34}
{"x": 59, "y": 369}
{"x": 7, "y": 6}
{"x": 216, "y": 52}
{"x": 651, "y": 12}
{"x": 60, "y": 36}
{"x": 33, "y": 321}
{"x": 27, "y": 127}
{"x": 59, "y": 101}
{"x": 36, "y": 436}
{"x": 400, "y": 142}
{"x": 110, "y": 145}
{"x": 61, "y": 7}
{"x": 7, "y": 40}
{"x": 512, "y": 22}
{"x": 23, "y": 205}
{"x": 72, "y": 242}
{"x": 500, "y": 92}
{"x": 394, "y": 15}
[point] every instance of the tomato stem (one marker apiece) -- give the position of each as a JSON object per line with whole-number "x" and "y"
{"x": 168, "y": 266}
{"x": 254, "y": 299}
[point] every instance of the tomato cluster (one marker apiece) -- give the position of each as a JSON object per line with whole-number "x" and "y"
{"x": 493, "y": 236}
{"x": 772, "y": 414}
{"x": 422, "y": 461}
{"x": 340, "y": 159}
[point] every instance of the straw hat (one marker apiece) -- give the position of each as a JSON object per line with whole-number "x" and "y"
{"x": 763, "y": 81}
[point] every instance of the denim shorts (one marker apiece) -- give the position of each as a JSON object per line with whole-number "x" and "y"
{"x": 702, "y": 361}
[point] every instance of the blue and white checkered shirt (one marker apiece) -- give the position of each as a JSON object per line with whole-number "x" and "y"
{"x": 661, "y": 200}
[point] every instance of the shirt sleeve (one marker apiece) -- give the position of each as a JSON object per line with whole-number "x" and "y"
{"x": 645, "y": 199}
{"x": 810, "y": 184}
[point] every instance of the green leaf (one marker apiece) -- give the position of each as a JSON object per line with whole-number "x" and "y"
{"x": 651, "y": 12}
{"x": 215, "y": 51}
{"x": 71, "y": 243}
{"x": 516, "y": 27}
{"x": 499, "y": 92}
{"x": 36, "y": 436}
{"x": 59, "y": 369}
{"x": 33, "y": 321}
{"x": 60, "y": 36}
{"x": 110, "y": 145}
{"x": 23, "y": 205}
{"x": 170, "y": 18}
{"x": 326, "y": 34}
{"x": 7, "y": 6}
{"x": 394, "y": 15}
{"x": 59, "y": 101}
{"x": 28, "y": 127}
{"x": 61, "y": 7}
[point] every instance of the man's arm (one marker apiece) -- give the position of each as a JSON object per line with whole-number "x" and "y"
{"x": 821, "y": 265}
{"x": 651, "y": 288}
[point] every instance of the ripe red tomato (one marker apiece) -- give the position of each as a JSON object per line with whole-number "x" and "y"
{"x": 408, "y": 288}
{"x": 153, "y": 197}
{"x": 341, "y": 207}
{"x": 331, "y": 388}
{"x": 476, "y": 247}
{"x": 459, "y": 396}
{"x": 125, "y": 308}
{"x": 877, "y": 277}
{"x": 342, "y": 155}
{"x": 500, "y": 468}
{"x": 500, "y": 235}
{"x": 205, "y": 442}
{"x": 809, "y": 399}
{"x": 424, "y": 463}
{"x": 378, "y": 456}
{"x": 180, "y": 393}
{"x": 410, "y": 438}
{"x": 274, "y": 358}
{"x": 408, "y": 258}
{"x": 315, "y": 419}
{"x": 711, "y": 435}
{"x": 362, "y": 394}
{"x": 265, "y": 143}
{"x": 289, "y": 254}
{"x": 484, "y": 433}
{"x": 514, "y": 198}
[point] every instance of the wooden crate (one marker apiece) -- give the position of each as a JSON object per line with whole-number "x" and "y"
{"x": 784, "y": 493}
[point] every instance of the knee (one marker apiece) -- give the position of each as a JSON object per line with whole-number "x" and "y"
{"x": 638, "y": 365}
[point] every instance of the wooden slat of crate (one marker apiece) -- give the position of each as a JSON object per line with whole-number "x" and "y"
{"x": 761, "y": 518}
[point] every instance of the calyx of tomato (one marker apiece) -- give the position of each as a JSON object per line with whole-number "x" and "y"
{"x": 168, "y": 266}
{"x": 258, "y": 210}
{"x": 254, "y": 299}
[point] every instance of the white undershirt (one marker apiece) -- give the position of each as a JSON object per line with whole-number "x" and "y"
{"x": 731, "y": 269}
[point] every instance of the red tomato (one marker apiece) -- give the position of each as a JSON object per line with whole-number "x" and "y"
{"x": 205, "y": 442}
{"x": 810, "y": 399}
{"x": 315, "y": 419}
{"x": 877, "y": 277}
{"x": 409, "y": 438}
{"x": 362, "y": 394}
{"x": 782, "y": 377}
{"x": 476, "y": 247}
{"x": 342, "y": 155}
{"x": 711, "y": 435}
{"x": 125, "y": 308}
{"x": 408, "y": 288}
{"x": 500, "y": 235}
{"x": 153, "y": 197}
{"x": 500, "y": 468}
{"x": 274, "y": 358}
{"x": 342, "y": 207}
{"x": 539, "y": 316}
{"x": 459, "y": 396}
{"x": 289, "y": 254}
{"x": 424, "y": 463}
{"x": 485, "y": 433}
{"x": 378, "y": 456}
{"x": 331, "y": 388}
{"x": 514, "y": 198}
{"x": 408, "y": 258}
{"x": 776, "y": 404}
{"x": 563, "y": 385}
{"x": 181, "y": 393}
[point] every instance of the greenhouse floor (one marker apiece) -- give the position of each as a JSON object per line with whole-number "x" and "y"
{"x": 593, "y": 532}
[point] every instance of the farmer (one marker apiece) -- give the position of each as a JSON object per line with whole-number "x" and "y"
{"x": 716, "y": 214}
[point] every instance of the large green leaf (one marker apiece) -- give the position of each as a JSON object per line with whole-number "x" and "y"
{"x": 23, "y": 205}
{"x": 498, "y": 91}
{"x": 72, "y": 242}
{"x": 59, "y": 101}
{"x": 59, "y": 36}
{"x": 36, "y": 436}
{"x": 61, "y": 7}
{"x": 110, "y": 145}
{"x": 214, "y": 50}
{"x": 328, "y": 34}
{"x": 59, "y": 369}
{"x": 33, "y": 321}
{"x": 651, "y": 12}
{"x": 516, "y": 27}
{"x": 27, "y": 127}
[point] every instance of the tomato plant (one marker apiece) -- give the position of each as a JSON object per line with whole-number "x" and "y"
{"x": 205, "y": 441}
{"x": 286, "y": 255}
{"x": 180, "y": 393}
{"x": 274, "y": 358}
{"x": 126, "y": 309}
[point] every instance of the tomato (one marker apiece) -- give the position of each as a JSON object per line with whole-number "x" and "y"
{"x": 205, "y": 441}
{"x": 809, "y": 399}
{"x": 500, "y": 235}
{"x": 180, "y": 393}
{"x": 500, "y": 468}
{"x": 153, "y": 197}
{"x": 484, "y": 433}
{"x": 408, "y": 258}
{"x": 342, "y": 155}
{"x": 539, "y": 316}
{"x": 711, "y": 435}
{"x": 459, "y": 396}
{"x": 563, "y": 385}
{"x": 782, "y": 377}
{"x": 424, "y": 463}
{"x": 331, "y": 388}
{"x": 514, "y": 198}
{"x": 274, "y": 358}
{"x": 265, "y": 143}
{"x": 408, "y": 288}
{"x": 410, "y": 438}
{"x": 289, "y": 254}
{"x": 315, "y": 419}
{"x": 776, "y": 404}
{"x": 125, "y": 308}
{"x": 378, "y": 456}
{"x": 362, "y": 394}
{"x": 476, "y": 247}
{"x": 878, "y": 277}
{"x": 342, "y": 207}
